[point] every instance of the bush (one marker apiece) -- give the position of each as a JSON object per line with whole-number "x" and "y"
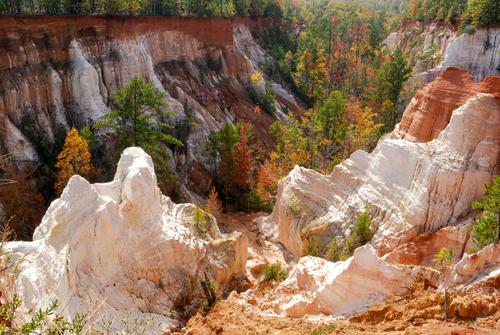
{"x": 275, "y": 272}
{"x": 361, "y": 233}
{"x": 210, "y": 293}
{"x": 471, "y": 30}
{"x": 312, "y": 247}
{"x": 486, "y": 229}
{"x": 199, "y": 219}
{"x": 443, "y": 258}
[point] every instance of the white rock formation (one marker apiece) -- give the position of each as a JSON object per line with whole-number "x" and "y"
{"x": 441, "y": 48}
{"x": 317, "y": 286}
{"x": 479, "y": 266}
{"x": 123, "y": 252}
{"x": 410, "y": 187}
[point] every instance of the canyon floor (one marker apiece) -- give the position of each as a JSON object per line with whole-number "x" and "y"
{"x": 419, "y": 311}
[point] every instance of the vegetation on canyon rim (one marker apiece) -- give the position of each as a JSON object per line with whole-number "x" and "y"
{"x": 329, "y": 53}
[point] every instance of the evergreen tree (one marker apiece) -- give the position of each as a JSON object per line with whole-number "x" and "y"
{"x": 361, "y": 232}
{"x": 389, "y": 84}
{"x": 443, "y": 258}
{"x": 486, "y": 229}
{"x": 484, "y": 12}
{"x": 139, "y": 118}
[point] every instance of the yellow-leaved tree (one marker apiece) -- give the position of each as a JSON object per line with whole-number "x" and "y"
{"x": 74, "y": 159}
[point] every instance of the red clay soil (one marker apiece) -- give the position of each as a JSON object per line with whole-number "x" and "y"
{"x": 430, "y": 111}
{"x": 475, "y": 311}
{"x": 55, "y": 32}
{"x": 213, "y": 31}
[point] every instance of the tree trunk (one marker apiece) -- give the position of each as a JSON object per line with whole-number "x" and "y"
{"x": 445, "y": 304}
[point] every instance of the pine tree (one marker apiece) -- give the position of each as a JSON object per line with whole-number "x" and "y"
{"x": 389, "y": 84}
{"x": 74, "y": 159}
{"x": 361, "y": 232}
{"x": 443, "y": 258}
{"x": 139, "y": 119}
{"x": 334, "y": 251}
{"x": 486, "y": 229}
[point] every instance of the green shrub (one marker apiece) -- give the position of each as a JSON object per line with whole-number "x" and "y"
{"x": 210, "y": 293}
{"x": 486, "y": 229}
{"x": 275, "y": 272}
{"x": 43, "y": 321}
{"x": 361, "y": 233}
{"x": 200, "y": 219}
{"x": 312, "y": 247}
{"x": 443, "y": 258}
{"x": 323, "y": 330}
{"x": 469, "y": 29}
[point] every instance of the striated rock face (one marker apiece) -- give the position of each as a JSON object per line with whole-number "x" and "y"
{"x": 422, "y": 249}
{"x": 433, "y": 48}
{"x": 430, "y": 110}
{"x": 124, "y": 252}
{"x": 316, "y": 286}
{"x": 410, "y": 187}
{"x": 58, "y": 72}
{"x": 483, "y": 265}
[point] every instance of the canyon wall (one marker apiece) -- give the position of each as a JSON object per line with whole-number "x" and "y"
{"x": 59, "y": 72}
{"x": 432, "y": 48}
{"x": 422, "y": 178}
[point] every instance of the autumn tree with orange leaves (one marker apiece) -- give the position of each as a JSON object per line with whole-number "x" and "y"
{"x": 74, "y": 159}
{"x": 233, "y": 162}
{"x": 214, "y": 205}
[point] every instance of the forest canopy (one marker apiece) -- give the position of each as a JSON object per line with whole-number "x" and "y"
{"x": 199, "y": 8}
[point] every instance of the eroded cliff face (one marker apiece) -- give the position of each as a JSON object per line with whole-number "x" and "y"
{"x": 124, "y": 253}
{"x": 420, "y": 181}
{"x": 58, "y": 72}
{"x": 433, "y": 48}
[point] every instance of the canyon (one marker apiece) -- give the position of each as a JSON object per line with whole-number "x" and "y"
{"x": 59, "y": 72}
{"x": 419, "y": 189}
{"x": 418, "y": 179}
{"x": 134, "y": 261}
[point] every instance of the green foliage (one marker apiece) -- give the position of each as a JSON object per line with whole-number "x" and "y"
{"x": 266, "y": 99}
{"x": 389, "y": 83}
{"x": 140, "y": 119}
{"x": 87, "y": 134}
{"x": 443, "y": 258}
{"x": 480, "y": 13}
{"x": 361, "y": 233}
{"x": 224, "y": 8}
{"x": 311, "y": 248}
{"x": 200, "y": 219}
{"x": 486, "y": 229}
{"x": 483, "y": 13}
{"x": 335, "y": 252}
{"x": 210, "y": 293}
{"x": 232, "y": 156}
{"x": 275, "y": 272}
{"x": 323, "y": 330}
{"x": 43, "y": 321}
